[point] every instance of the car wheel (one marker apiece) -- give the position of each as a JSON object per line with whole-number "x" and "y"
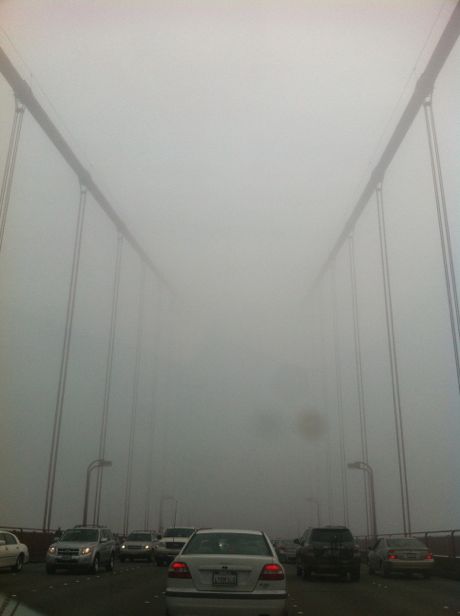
{"x": 385, "y": 571}
{"x": 95, "y": 565}
{"x": 50, "y": 569}
{"x": 370, "y": 569}
{"x": 110, "y": 564}
{"x": 298, "y": 570}
{"x": 19, "y": 563}
{"x": 306, "y": 574}
{"x": 426, "y": 575}
{"x": 356, "y": 575}
{"x": 122, "y": 559}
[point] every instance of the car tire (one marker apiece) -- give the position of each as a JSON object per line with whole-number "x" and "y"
{"x": 50, "y": 569}
{"x": 370, "y": 570}
{"x": 122, "y": 559}
{"x": 426, "y": 575}
{"x": 298, "y": 570}
{"x": 385, "y": 571}
{"x": 95, "y": 565}
{"x": 109, "y": 566}
{"x": 356, "y": 575}
{"x": 18, "y": 564}
{"x": 306, "y": 574}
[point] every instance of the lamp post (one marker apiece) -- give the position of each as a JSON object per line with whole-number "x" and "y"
{"x": 364, "y": 466}
{"x": 94, "y": 464}
{"x": 313, "y": 500}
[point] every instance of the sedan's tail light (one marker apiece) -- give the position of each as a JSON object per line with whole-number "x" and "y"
{"x": 428, "y": 556}
{"x": 391, "y": 555}
{"x": 179, "y": 570}
{"x": 272, "y": 572}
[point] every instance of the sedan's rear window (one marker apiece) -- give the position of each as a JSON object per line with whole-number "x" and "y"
{"x": 243, "y": 544}
{"x": 413, "y": 543}
{"x": 331, "y": 535}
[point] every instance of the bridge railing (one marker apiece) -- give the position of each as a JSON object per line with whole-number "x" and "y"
{"x": 35, "y": 539}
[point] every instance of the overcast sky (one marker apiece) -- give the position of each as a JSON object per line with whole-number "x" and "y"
{"x": 233, "y": 137}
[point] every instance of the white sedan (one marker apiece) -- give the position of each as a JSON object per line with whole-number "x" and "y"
{"x": 13, "y": 553}
{"x": 226, "y": 572}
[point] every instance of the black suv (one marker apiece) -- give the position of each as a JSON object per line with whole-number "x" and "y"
{"x": 328, "y": 549}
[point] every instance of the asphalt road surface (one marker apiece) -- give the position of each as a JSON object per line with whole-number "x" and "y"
{"x": 137, "y": 590}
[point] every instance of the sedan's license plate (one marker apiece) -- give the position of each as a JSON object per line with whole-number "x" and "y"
{"x": 227, "y": 578}
{"x": 411, "y": 556}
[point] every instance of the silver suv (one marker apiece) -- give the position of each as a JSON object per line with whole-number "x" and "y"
{"x": 88, "y": 547}
{"x": 138, "y": 544}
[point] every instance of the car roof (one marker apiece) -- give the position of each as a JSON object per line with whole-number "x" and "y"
{"x": 229, "y": 530}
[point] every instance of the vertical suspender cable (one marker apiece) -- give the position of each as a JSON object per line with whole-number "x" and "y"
{"x": 64, "y": 363}
{"x": 338, "y": 383}
{"x": 393, "y": 366}
{"x": 10, "y": 165}
{"x": 444, "y": 232}
{"x": 132, "y": 428}
{"x": 359, "y": 372}
{"x": 153, "y": 415}
{"x": 108, "y": 378}
{"x": 324, "y": 397}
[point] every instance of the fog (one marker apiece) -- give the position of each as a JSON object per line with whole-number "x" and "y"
{"x": 233, "y": 139}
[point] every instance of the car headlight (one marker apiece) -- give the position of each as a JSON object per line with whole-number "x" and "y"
{"x": 52, "y": 549}
{"x": 86, "y": 551}
{"x": 123, "y": 547}
{"x": 146, "y": 547}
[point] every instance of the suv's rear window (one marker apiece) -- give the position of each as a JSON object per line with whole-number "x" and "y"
{"x": 178, "y": 532}
{"x": 228, "y": 543}
{"x": 80, "y": 534}
{"x": 331, "y": 535}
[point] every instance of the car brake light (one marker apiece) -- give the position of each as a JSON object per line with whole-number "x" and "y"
{"x": 391, "y": 555}
{"x": 272, "y": 572}
{"x": 179, "y": 570}
{"x": 428, "y": 556}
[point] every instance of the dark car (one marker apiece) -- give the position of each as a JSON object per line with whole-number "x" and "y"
{"x": 286, "y": 549}
{"x": 328, "y": 549}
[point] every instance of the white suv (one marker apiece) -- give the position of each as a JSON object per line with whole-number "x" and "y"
{"x": 171, "y": 543}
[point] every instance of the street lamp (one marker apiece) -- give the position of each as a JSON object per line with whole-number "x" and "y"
{"x": 94, "y": 464}
{"x": 364, "y": 466}
{"x": 313, "y": 500}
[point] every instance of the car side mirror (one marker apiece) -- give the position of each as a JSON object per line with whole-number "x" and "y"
{"x": 2, "y": 542}
{"x": 104, "y": 540}
{"x": 297, "y": 541}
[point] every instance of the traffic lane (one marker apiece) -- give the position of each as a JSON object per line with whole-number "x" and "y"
{"x": 137, "y": 588}
{"x": 372, "y": 596}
